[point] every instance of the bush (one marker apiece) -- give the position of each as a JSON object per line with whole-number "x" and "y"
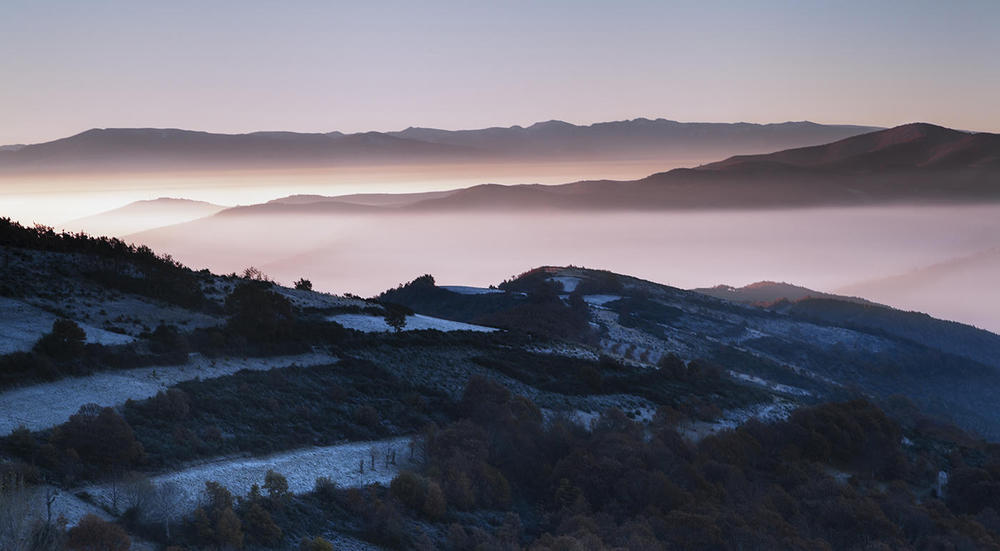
{"x": 257, "y": 312}
{"x": 410, "y": 489}
{"x": 65, "y": 342}
{"x": 100, "y": 437}
{"x": 94, "y": 534}
{"x": 304, "y": 285}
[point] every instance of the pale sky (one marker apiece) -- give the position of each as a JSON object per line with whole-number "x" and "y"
{"x": 238, "y": 66}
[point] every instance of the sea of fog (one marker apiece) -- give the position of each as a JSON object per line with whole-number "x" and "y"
{"x": 884, "y": 252}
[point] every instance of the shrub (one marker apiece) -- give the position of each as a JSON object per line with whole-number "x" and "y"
{"x": 304, "y": 285}
{"x": 257, "y": 312}
{"x": 65, "y": 342}
{"x": 99, "y": 436}
{"x": 94, "y": 534}
{"x": 409, "y": 488}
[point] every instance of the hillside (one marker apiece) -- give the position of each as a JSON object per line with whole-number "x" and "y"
{"x": 493, "y": 417}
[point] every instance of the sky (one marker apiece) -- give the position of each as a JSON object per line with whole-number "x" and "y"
{"x": 239, "y": 66}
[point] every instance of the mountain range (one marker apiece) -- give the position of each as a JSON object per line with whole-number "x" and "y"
{"x": 164, "y": 149}
{"x": 910, "y": 164}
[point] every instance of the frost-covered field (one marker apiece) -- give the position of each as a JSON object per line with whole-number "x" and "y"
{"x": 767, "y": 412}
{"x": 568, "y": 283}
{"x": 778, "y": 387}
{"x": 377, "y": 324}
{"x": 21, "y": 325}
{"x": 45, "y": 405}
{"x": 466, "y": 290}
{"x": 600, "y": 300}
{"x": 340, "y": 463}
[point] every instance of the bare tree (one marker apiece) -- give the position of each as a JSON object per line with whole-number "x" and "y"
{"x": 166, "y": 504}
{"x": 137, "y": 492}
{"x": 17, "y": 513}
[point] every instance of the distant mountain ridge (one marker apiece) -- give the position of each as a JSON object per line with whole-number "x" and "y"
{"x": 910, "y": 164}
{"x": 914, "y": 163}
{"x": 917, "y": 146}
{"x": 157, "y": 149}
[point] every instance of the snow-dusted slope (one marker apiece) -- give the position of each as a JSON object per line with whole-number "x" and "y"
{"x": 377, "y": 324}
{"x": 21, "y": 325}
{"x": 466, "y": 290}
{"x": 340, "y": 463}
{"x": 45, "y": 405}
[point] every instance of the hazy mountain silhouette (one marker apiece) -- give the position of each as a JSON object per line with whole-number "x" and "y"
{"x": 172, "y": 149}
{"x": 910, "y": 164}
{"x": 153, "y": 149}
{"x": 917, "y": 146}
{"x": 637, "y": 138}
{"x": 368, "y": 199}
{"x": 770, "y": 292}
{"x": 914, "y": 163}
{"x": 964, "y": 286}
{"x": 143, "y": 215}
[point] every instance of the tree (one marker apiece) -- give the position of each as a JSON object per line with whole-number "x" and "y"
{"x": 304, "y": 284}
{"x": 99, "y": 435}
{"x": 229, "y": 530}
{"x": 257, "y": 312}
{"x": 16, "y": 512}
{"x": 277, "y": 487}
{"x": 260, "y": 526}
{"x": 255, "y": 274}
{"x": 65, "y": 342}
{"x": 165, "y": 504}
{"x": 395, "y": 318}
{"x": 94, "y": 534}
{"x": 218, "y": 525}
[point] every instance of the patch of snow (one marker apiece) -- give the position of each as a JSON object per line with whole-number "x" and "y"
{"x": 464, "y": 290}
{"x": 567, "y": 350}
{"x": 600, "y": 300}
{"x": 339, "y": 463}
{"x": 314, "y": 299}
{"x": 64, "y": 504}
{"x": 377, "y": 324}
{"x": 586, "y": 418}
{"x": 777, "y": 387}
{"x": 569, "y": 283}
{"x": 46, "y": 405}
{"x": 767, "y": 412}
{"x": 23, "y": 324}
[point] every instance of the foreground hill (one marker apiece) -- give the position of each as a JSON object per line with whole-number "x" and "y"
{"x": 811, "y": 347}
{"x": 564, "y": 408}
{"x": 155, "y": 149}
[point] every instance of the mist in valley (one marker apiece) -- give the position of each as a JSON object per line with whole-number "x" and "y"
{"x": 833, "y": 250}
